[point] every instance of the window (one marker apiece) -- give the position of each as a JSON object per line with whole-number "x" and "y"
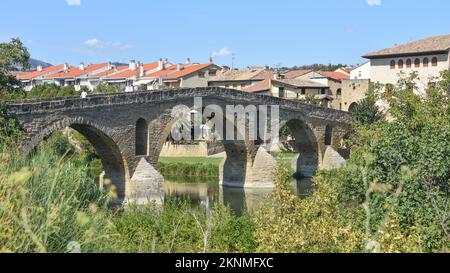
{"x": 323, "y": 91}
{"x": 408, "y": 63}
{"x": 417, "y": 62}
{"x": 212, "y": 73}
{"x": 392, "y": 64}
{"x": 281, "y": 92}
{"x": 425, "y": 62}
{"x": 434, "y": 61}
{"x": 201, "y": 74}
{"x": 141, "y": 137}
{"x": 400, "y": 64}
{"x": 303, "y": 91}
{"x": 339, "y": 92}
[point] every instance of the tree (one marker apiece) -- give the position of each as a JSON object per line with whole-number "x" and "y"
{"x": 310, "y": 99}
{"x": 103, "y": 87}
{"x": 11, "y": 53}
{"x": 366, "y": 112}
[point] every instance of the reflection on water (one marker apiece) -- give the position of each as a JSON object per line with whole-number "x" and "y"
{"x": 207, "y": 194}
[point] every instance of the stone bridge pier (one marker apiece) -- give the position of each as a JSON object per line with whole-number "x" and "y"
{"x": 128, "y": 131}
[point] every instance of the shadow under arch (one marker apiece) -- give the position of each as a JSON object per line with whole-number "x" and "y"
{"x": 115, "y": 166}
{"x": 305, "y": 143}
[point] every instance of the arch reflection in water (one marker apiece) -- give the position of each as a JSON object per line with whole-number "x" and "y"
{"x": 238, "y": 199}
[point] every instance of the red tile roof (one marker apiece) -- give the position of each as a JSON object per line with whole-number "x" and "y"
{"x": 188, "y": 69}
{"x": 73, "y": 72}
{"x": 162, "y": 73}
{"x": 297, "y": 73}
{"x": 259, "y": 87}
{"x": 335, "y": 75}
{"x": 128, "y": 73}
{"x": 44, "y": 71}
{"x": 110, "y": 71}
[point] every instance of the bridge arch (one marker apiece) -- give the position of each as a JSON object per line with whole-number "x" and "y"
{"x": 114, "y": 164}
{"x": 232, "y": 170}
{"x": 306, "y": 144}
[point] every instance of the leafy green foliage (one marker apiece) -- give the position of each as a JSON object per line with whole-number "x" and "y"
{"x": 10, "y": 131}
{"x": 11, "y": 53}
{"x": 366, "y": 112}
{"x": 104, "y": 88}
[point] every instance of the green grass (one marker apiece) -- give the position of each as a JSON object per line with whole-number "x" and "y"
{"x": 191, "y": 160}
{"x": 187, "y": 168}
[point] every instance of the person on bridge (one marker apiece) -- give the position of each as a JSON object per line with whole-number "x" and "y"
{"x": 84, "y": 94}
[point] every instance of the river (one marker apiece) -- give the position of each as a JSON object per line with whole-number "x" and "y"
{"x": 207, "y": 194}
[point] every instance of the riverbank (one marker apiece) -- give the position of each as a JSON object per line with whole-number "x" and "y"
{"x": 190, "y": 168}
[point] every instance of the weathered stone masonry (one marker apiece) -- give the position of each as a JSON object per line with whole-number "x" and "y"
{"x": 109, "y": 123}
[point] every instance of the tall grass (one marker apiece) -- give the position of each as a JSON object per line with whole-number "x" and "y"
{"x": 47, "y": 201}
{"x": 50, "y": 203}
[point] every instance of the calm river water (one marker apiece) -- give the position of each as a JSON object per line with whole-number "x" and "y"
{"x": 207, "y": 194}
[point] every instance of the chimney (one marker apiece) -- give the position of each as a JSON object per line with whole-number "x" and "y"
{"x": 179, "y": 67}
{"x": 141, "y": 70}
{"x": 188, "y": 61}
{"x": 160, "y": 65}
{"x": 82, "y": 66}
{"x": 66, "y": 67}
{"x": 211, "y": 60}
{"x": 132, "y": 65}
{"x": 39, "y": 68}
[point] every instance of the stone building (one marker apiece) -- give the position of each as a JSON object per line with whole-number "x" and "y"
{"x": 352, "y": 92}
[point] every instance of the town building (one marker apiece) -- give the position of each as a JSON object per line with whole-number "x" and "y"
{"x": 125, "y": 79}
{"x": 34, "y": 78}
{"x": 361, "y": 72}
{"x": 351, "y": 93}
{"x": 240, "y": 79}
{"x": 179, "y": 76}
{"x": 77, "y": 76}
{"x": 428, "y": 57}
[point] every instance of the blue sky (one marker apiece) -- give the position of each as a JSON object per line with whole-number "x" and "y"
{"x": 275, "y": 33}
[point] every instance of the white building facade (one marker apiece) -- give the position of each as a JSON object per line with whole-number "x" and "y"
{"x": 361, "y": 72}
{"x": 427, "y": 57}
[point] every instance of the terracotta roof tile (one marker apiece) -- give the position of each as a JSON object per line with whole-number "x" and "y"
{"x": 187, "y": 70}
{"x": 110, "y": 71}
{"x": 74, "y": 72}
{"x": 335, "y": 75}
{"x": 427, "y": 45}
{"x": 44, "y": 71}
{"x": 297, "y": 73}
{"x": 128, "y": 73}
{"x": 162, "y": 73}
{"x": 240, "y": 75}
{"x": 261, "y": 86}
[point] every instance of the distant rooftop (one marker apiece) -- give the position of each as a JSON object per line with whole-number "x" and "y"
{"x": 435, "y": 44}
{"x": 243, "y": 75}
{"x": 296, "y": 73}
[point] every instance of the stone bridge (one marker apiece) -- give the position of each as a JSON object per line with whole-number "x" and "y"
{"x": 128, "y": 131}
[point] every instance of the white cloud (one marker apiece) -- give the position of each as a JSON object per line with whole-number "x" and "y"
{"x": 374, "y": 2}
{"x": 221, "y": 53}
{"x": 94, "y": 43}
{"x": 73, "y": 2}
